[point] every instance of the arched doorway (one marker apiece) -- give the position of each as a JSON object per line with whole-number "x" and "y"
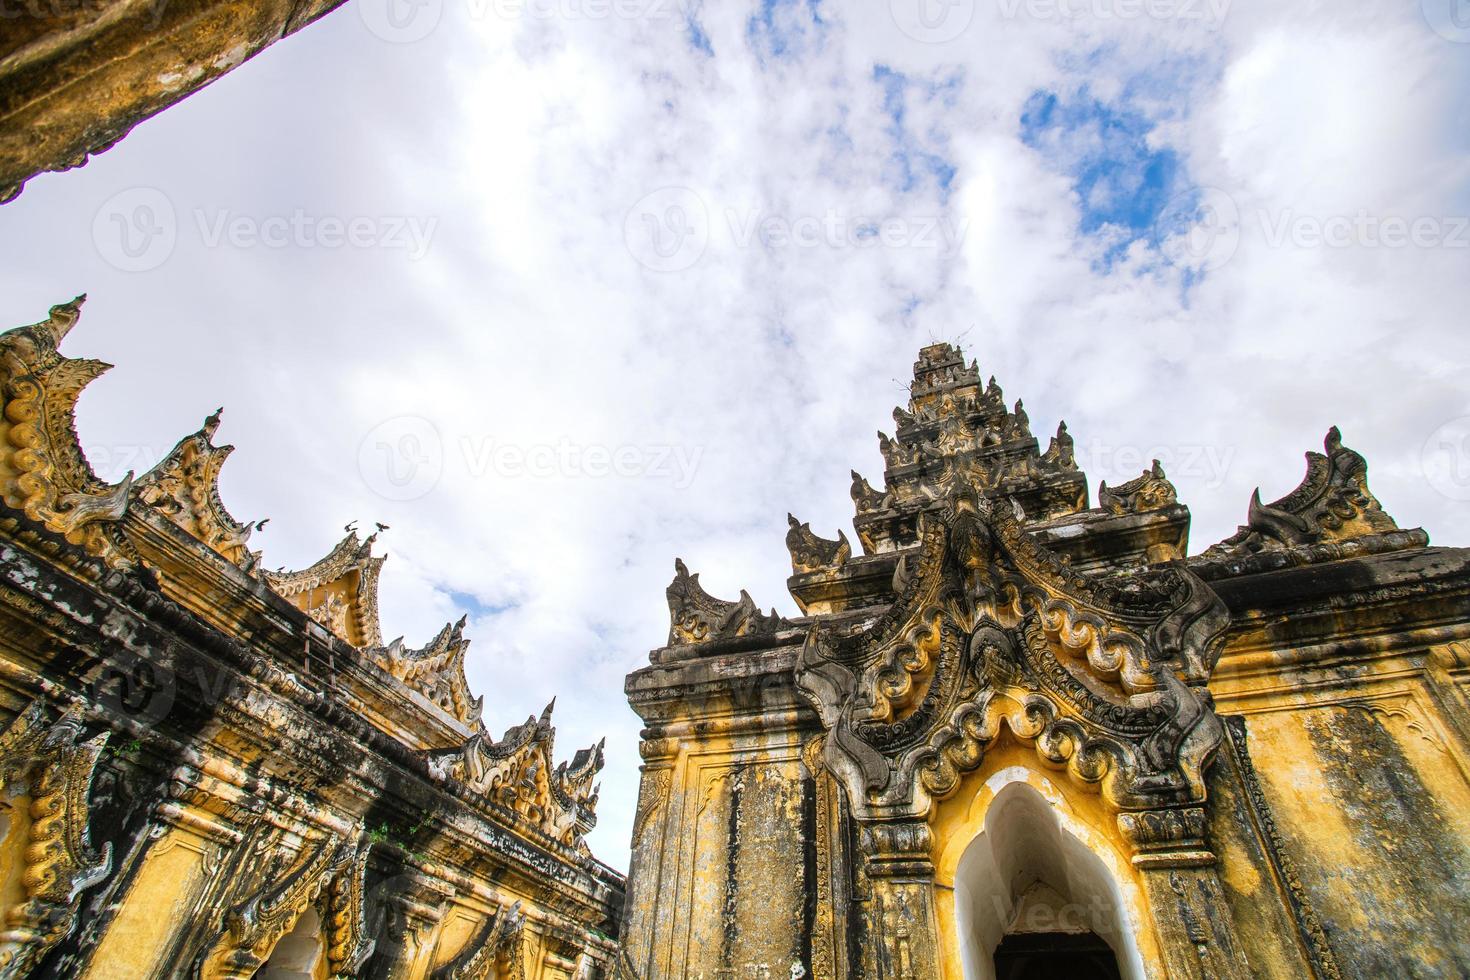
{"x": 297, "y": 954}
{"x": 1032, "y": 900}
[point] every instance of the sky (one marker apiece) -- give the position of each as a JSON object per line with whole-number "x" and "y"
{"x": 562, "y": 289}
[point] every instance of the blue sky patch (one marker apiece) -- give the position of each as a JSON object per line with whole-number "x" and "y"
{"x": 1122, "y": 183}
{"x": 912, "y": 162}
{"x": 785, "y": 29}
{"x": 694, "y": 30}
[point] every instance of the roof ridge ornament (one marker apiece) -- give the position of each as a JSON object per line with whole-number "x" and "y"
{"x": 698, "y": 617}
{"x": 1331, "y": 504}
{"x": 811, "y": 553}
{"x": 43, "y": 471}
{"x": 184, "y": 487}
{"x": 338, "y": 590}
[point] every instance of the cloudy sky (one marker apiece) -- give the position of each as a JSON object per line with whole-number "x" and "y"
{"x": 561, "y": 289}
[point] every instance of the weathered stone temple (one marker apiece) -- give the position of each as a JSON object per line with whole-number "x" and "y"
{"x": 211, "y": 770}
{"x": 1019, "y": 736}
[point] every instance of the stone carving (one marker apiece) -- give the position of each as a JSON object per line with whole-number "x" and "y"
{"x": 184, "y": 487}
{"x": 250, "y": 745}
{"x": 340, "y": 591}
{"x": 516, "y": 773}
{"x": 991, "y": 627}
{"x": 1060, "y": 451}
{"x": 280, "y": 884}
{"x": 1151, "y": 491}
{"x": 864, "y": 497}
{"x": 436, "y": 671}
{"x": 1332, "y": 503}
{"x": 696, "y": 616}
{"x": 954, "y": 432}
{"x": 43, "y": 472}
{"x": 344, "y": 916}
{"x": 47, "y": 762}
{"x": 494, "y": 951}
{"x": 810, "y": 553}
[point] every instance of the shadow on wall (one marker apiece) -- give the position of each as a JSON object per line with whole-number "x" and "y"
{"x": 1026, "y": 877}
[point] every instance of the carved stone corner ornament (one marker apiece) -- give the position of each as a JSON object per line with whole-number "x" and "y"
{"x": 1332, "y": 503}
{"x": 436, "y": 671}
{"x": 1104, "y": 677}
{"x": 1151, "y": 491}
{"x": 43, "y": 472}
{"x": 340, "y": 591}
{"x": 810, "y": 553}
{"x": 697, "y": 617}
{"x": 184, "y": 487}
{"x": 46, "y": 761}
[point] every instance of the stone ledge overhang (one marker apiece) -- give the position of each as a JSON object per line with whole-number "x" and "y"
{"x": 1349, "y": 608}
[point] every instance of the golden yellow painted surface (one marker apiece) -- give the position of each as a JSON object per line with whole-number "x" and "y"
{"x": 160, "y": 900}
{"x": 956, "y": 821}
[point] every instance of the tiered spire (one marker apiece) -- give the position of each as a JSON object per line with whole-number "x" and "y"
{"x": 958, "y": 429}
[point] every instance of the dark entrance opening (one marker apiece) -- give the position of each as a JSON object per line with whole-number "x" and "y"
{"x": 1055, "y": 956}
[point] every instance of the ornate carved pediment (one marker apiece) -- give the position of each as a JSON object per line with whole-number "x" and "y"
{"x": 436, "y": 671}
{"x": 278, "y": 884}
{"x": 1151, "y": 491}
{"x": 1333, "y": 503}
{"x": 46, "y": 759}
{"x": 43, "y": 471}
{"x": 810, "y": 553}
{"x": 516, "y": 773}
{"x": 696, "y": 616}
{"x": 340, "y": 591}
{"x": 496, "y": 950}
{"x": 184, "y": 487}
{"x": 991, "y": 629}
